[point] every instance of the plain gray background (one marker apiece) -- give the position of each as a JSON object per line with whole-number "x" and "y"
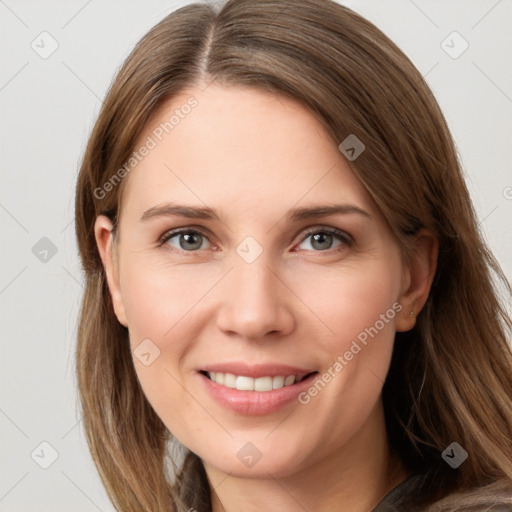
{"x": 48, "y": 106}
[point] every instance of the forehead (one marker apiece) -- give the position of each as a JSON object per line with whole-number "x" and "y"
{"x": 242, "y": 150}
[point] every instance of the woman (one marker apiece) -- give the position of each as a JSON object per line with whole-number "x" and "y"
{"x": 288, "y": 303}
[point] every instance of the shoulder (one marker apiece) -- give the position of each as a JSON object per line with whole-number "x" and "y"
{"x": 495, "y": 497}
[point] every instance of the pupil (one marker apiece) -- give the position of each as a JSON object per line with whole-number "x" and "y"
{"x": 321, "y": 237}
{"x": 188, "y": 238}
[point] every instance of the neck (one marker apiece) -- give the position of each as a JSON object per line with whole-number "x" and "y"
{"x": 354, "y": 478}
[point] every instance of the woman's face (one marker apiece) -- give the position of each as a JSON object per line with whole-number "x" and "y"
{"x": 257, "y": 285}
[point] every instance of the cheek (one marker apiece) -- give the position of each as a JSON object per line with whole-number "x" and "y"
{"x": 350, "y": 301}
{"x": 158, "y": 311}
{"x": 359, "y": 308}
{"x": 163, "y": 309}
{"x": 354, "y": 332}
{"x": 157, "y": 298}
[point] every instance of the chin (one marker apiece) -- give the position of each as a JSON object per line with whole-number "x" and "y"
{"x": 248, "y": 461}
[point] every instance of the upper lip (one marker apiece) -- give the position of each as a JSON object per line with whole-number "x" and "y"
{"x": 256, "y": 370}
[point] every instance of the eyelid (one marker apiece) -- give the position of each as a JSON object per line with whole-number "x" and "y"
{"x": 326, "y": 229}
{"x": 186, "y": 229}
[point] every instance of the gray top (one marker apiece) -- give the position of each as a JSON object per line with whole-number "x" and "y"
{"x": 394, "y": 499}
{"x": 498, "y": 501}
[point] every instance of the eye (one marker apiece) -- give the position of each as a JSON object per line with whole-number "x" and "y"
{"x": 322, "y": 239}
{"x": 191, "y": 240}
{"x": 188, "y": 240}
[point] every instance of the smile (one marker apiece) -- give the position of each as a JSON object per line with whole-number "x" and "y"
{"x": 245, "y": 383}
{"x": 258, "y": 395}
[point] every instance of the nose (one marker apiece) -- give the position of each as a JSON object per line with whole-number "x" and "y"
{"x": 255, "y": 302}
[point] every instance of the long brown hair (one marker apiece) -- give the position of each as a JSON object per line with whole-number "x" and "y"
{"x": 450, "y": 378}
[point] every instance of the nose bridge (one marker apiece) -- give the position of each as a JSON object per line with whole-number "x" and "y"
{"x": 254, "y": 303}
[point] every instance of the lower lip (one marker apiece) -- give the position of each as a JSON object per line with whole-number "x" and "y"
{"x": 255, "y": 403}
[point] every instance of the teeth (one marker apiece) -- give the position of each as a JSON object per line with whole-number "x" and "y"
{"x": 243, "y": 383}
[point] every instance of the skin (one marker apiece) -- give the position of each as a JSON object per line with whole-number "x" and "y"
{"x": 253, "y": 156}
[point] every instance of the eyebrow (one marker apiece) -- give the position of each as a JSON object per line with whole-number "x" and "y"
{"x": 295, "y": 214}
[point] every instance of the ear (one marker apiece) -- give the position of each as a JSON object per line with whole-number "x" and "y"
{"x": 105, "y": 242}
{"x": 417, "y": 278}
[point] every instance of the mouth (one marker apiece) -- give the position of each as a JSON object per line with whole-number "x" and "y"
{"x": 260, "y": 384}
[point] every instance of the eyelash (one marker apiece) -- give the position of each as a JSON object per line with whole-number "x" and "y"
{"x": 341, "y": 235}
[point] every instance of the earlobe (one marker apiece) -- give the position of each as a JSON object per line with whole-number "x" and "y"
{"x": 104, "y": 240}
{"x": 417, "y": 279}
